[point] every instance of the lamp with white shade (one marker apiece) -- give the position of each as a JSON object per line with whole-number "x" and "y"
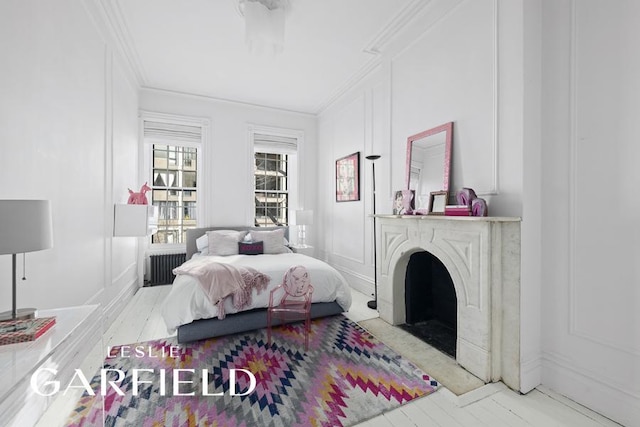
{"x": 303, "y": 218}
{"x": 25, "y": 226}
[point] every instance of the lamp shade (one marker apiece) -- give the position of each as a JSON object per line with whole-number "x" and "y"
{"x": 25, "y": 226}
{"x": 304, "y": 217}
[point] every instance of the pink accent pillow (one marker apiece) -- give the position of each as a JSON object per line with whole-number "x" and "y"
{"x": 250, "y": 248}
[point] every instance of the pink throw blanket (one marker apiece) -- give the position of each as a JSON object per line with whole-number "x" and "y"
{"x": 219, "y": 281}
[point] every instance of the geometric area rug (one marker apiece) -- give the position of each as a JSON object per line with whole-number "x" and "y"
{"x": 345, "y": 377}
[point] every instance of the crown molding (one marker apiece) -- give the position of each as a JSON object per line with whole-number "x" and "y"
{"x": 393, "y": 27}
{"x": 117, "y": 26}
{"x": 375, "y": 47}
{"x": 223, "y": 100}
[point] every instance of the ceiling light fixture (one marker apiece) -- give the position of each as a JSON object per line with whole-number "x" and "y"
{"x": 264, "y": 24}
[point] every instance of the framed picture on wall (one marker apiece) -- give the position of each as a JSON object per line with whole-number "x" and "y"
{"x": 348, "y": 178}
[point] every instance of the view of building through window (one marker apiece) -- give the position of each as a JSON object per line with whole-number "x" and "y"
{"x": 271, "y": 189}
{"x": 174, "y": 191}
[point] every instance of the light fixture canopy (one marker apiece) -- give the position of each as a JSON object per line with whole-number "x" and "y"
{"x": 264, "y": 24}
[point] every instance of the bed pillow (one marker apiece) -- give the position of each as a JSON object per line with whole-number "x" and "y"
{"x": 224, "y": 242}
{"x": 273, "y": 241}
{"x": 251, "y": 248}
{"x": 202, "y": 243}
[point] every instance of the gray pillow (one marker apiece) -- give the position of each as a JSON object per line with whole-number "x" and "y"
{"x": 224, "y": 242}
{"x": 273, "y": 241}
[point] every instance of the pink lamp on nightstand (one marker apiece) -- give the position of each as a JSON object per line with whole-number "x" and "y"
{"x": 25, "y": 226}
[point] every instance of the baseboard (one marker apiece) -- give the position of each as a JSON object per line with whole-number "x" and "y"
{"x": 612, "y": 402}
{"x": 530, "y": 374}
{"x": 357, "y": 281}
{"x": 113, "y": 308}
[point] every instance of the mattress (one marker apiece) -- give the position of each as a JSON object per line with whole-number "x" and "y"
{"x": 187, "y": 300}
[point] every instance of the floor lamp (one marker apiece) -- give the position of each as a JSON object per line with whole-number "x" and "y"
{"x": 374, "y": 304}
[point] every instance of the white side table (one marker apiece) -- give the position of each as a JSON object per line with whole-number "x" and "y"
{"x": 63, "y": 348}
{"x": 304, "y": 250}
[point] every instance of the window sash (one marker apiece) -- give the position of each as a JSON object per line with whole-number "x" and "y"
{"x": 271, "y": 188}
{"x": 174, "y": 168}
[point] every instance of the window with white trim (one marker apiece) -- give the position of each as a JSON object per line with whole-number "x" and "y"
{"x": 174, "y": 151}
{"x": 275, "y": 173}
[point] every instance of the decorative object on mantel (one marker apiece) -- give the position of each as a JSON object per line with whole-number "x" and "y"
{"x": 437, "y": 202}
{"x": 467, "y": 197}
{"x": 348, "y": 178}
{"x": 374, "y": 303}
{"x": 26, "y": 226}
{"x": 264, "y": 23}
{"x": 16, "y": 331}
{"x": 457, "y": 210}
{"x": 404, "y": 202}
{"x": 479, "y": 207}
{"x": 139, "y": 198}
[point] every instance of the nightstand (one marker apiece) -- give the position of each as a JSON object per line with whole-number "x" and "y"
{"x": 304, "y": 250}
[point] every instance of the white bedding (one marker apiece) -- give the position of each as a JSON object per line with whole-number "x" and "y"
{"x": 187, "y": 301}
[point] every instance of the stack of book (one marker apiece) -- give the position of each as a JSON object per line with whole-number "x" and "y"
{"x": 457, "y": 210}
{"x": 16, "y": 331}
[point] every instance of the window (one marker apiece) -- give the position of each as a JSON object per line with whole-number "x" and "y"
{"x": 174, "y": 152}
{"x": 271, "y": 189}
{"x": 274, "y": 173}
{"x": 174, "y": 191}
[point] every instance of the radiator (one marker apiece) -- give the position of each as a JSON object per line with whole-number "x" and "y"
{"x": 161, "y": 267}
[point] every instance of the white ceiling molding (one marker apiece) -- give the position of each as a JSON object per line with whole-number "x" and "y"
{"x": 222, "y": 100}
{"x": 118, "y": 26}
{"x": 375, "y": 46}
{"x": 391, "y": 30}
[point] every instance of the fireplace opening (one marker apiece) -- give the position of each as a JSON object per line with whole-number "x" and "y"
{"x": 430, "y": 302}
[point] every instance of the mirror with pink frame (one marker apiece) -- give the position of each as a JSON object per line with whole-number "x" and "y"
{"x": 429, "y": 163}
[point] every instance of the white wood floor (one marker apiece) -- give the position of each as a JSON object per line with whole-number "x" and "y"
{"x": 493, "y": 405}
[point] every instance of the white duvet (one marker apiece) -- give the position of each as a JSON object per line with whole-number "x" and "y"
{"x": 187, "y": 300}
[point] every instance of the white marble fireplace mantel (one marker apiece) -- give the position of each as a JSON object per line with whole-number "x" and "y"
{"x": 482, "y": 255}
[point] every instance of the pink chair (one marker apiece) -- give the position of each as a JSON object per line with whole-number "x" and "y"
{"x": 296, "y": 301}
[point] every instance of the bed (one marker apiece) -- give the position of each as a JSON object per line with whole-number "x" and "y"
{"x": 188, "y": 310}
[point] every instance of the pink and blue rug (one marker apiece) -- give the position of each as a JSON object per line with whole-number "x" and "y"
{"x": 347, "y": 376}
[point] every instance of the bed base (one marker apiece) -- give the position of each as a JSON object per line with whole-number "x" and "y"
{"x": 244, "y": 321}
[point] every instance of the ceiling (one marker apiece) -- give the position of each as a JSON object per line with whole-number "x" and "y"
{"x": 197, "y": 47}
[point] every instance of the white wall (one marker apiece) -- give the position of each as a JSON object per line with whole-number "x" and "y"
{"x": 457, "y": 61}
{"x": 65, "y": 108}
{"x": 591, "y": 238}
{"x": 228, "y": 163}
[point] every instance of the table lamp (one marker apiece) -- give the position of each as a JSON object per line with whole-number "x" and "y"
{"x": 25, "y": 226}
{"x": 303, "y": 218}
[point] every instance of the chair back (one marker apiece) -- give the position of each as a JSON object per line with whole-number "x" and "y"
{"x": 296, "y": 281}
